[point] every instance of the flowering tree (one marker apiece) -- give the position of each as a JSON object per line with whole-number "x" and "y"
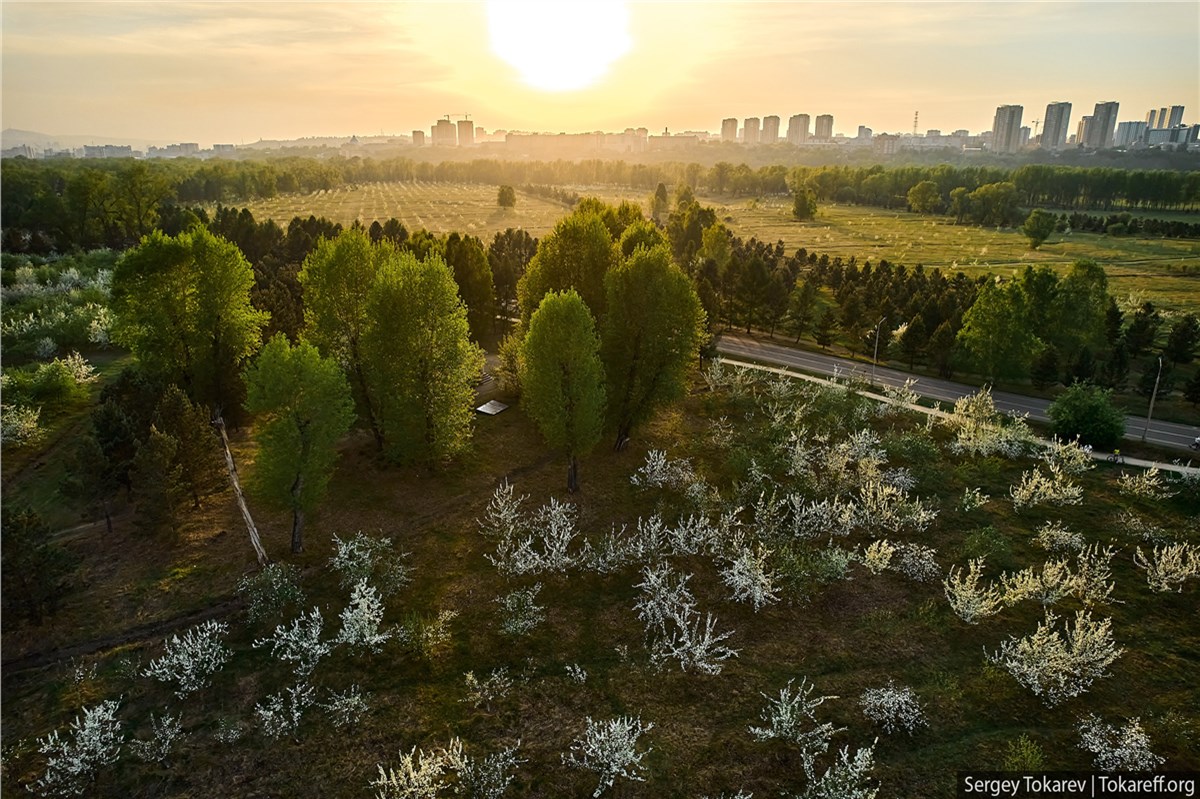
{"x": 1170, "y": 566}
{"x": 191, "y": 660}
{"x": 895, "y": 708}
{"x": 280, "y": 714}
{"x": 71, "y": 763}
{"x": 1058, "y": 666}
{"x": 361, "y": 619}
{"x": 970, "y": 602}
{"x": 165, "y": 732}
{"x": 609, "y": 748}
{"x": 300, "y": 643}
{"x": 673, "y": 625}
{"x": 1115, "y": 748}
{"x": 748, "y": 576}
{"x": 792, "y": 718}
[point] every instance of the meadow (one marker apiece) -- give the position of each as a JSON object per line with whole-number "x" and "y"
{"x": 1164, "y": 271}
{"x": 843, "y": 627}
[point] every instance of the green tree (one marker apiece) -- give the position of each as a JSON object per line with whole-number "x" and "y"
{"x": 826, "y": 323}
{"x": 994, "y": 203}
{"x": 802, "y": 307}
{"x": 577, "y": 254}
{"x": 509, "y": 254}
{"x": 473, "y": 273}
{"x": 642, "y": 233}
{"x": 562, "y": 379}
{"x": 960, "y": 203}
{"x": 1080, "y": 309}
{"x": 506, "y": 197}
{"x": 35, "y": 572}
{"x": 140, "y": 190}
{"x": 338, "y": 278}
{"x": 804, "y": 204}
{"x": 157, "y": 482}
{"x": 1045, "y": 368}
{"x": 943, "y": 345}
{"x": 1182, "y": 339}
{"x": 914, "y": 339}
{"x": 996, "y": 334}
{"x": 660, "y": 202}
{"x": 1038, "y": 227}
{"x": 304, "y": 406}
{"x": 1143, "y": 329}
{"x": 91, "y": 478}
{"x": 925, "y": 198}
{"x": 1087, "y": 411}
{"x": 652, "y": 333}
{"x": 197, "y": 452}
{"x": 1191, "y": 391}
{"x": 422, "y": 364}
{"x": 182, "y": 306}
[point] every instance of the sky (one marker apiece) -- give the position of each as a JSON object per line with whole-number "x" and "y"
{"x": 234, "y": 72}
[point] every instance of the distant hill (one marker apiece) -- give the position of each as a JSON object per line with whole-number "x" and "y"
{"x": 14, "y": 137}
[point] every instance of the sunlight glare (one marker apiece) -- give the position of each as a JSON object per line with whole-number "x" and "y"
{"x": 559, "y": 46}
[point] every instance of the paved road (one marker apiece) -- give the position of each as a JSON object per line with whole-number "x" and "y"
{"x": 1164, "y": 434}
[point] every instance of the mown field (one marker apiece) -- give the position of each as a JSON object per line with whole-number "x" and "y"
{"x": 844, "y": 631}
{"x": 1164, "y": 271}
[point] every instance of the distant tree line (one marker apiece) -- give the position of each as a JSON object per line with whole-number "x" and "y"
{"x": 66, "y": 204}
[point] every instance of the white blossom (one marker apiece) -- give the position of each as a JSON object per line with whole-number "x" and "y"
{"x": 1115, "y": 748}
{"x": 487, "y": 777}
{"x": 1037, "y": 488}
{"x": 878, "y": 555}
{"x": 1056, "y": 666}
{"x": 93, "y": 741}
{"x": 270, "y": 589}
{"x": 520, "y": 612}
{"x": 792, "y": 718}
{"x": 980, "y": 430}
{"x": 916, "y": 562}
{"x": 973, "y": 499}
{"x": 166, "y": 731}
{"x": 1144, "y": 485}
{"x": 967, "y": 599}
{"x": 1071, "y": 456}
{"x": 660, "y": 472}
{"x": 1057, "y": 537}
{"x": 419, "y": 775}
{"x": 747, "y": 575}
{"x": 300, "y": 643}
{"x": 480, "y": 693}
{"x": 1093, "y": 575}
{"x": 361, "y": 619}
{"x": 674, "y": 628}
{"x": 363, "y": 557}
{"x": 610, "y": 748}
{"x": 893, "y": 707}
{"x": 348, "y": 707}
{"x": 1048, "y": 586}
{"x": 19, "y": 425}
{"x": 1170, "y": 566}
{"x": 424, "y": 635}
{"x": 503, "y": 518}
{"x": 577, "y": 673}
{"x": 280, "y": 714}
{"x": 847, "y": 778}
{"x": 191, "y": 660}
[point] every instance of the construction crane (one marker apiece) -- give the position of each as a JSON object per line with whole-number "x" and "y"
{"x": 464, "y": 116}
{"x": 1036, "y": 122}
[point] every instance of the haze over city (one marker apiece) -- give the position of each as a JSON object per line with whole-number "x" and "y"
{"x": 240, "y": 72}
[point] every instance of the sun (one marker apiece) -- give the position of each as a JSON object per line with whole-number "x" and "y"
{"x": 559, "y": 46}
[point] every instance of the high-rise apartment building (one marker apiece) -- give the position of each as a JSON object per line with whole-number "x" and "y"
{"x": 418, "y": 137}
{"x": 824, "y": 127}
{"x": 1129, "y": 132}
{"x": 770, "y": 130}
{"x": 443, "y": 134}
{"x": 1104, "y": 126}
{"x": 466, "y": 133}
{"x": 864, "y": 132}
{"x": 1084, "y": 130}
{"x": 1006, "y": 129}
{"x": 1054, "y": 134}
{"x": 797, "y": 131}
{"x": 729, "y": 129}
{"x": 1151, "y": 118}
{"x": 1162, "y": 117}
{"x": 750, "y": 132}
{"x": 1176, "y": 116}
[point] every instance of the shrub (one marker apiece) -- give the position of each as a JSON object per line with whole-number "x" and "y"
{"x": 609, "y": 748}
{"x": 72, "y": 763}
{"x": 1087, "y": 412}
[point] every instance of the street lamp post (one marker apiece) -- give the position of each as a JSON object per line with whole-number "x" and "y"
{"x": 875, "y": 357}
{"x": 1153, "y": 396}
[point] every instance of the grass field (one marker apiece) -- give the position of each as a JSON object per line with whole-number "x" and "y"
{"x": 1164, "y": 271}
{"x": 844, "y": 634}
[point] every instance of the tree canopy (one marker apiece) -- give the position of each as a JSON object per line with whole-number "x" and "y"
{"x": 577, "y": 254}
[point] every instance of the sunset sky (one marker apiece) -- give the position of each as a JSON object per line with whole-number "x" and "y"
{"x": 238, "y": 72}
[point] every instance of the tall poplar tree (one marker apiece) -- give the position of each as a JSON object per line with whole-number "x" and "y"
{"x": 652, "y": 332}
{"x": 423, "y": 365}
{"x": 562, "y": 378}
{"x": 304, "y": 406}
{"x": 181, "y": 304}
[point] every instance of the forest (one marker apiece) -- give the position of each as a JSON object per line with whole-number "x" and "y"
{"x": 277, "y": 461}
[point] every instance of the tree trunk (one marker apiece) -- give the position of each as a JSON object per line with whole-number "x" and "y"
{"x": 263, "y": 560}
{"x": 108, "y": 517}
{"x": 572, "y": 474}
{"x": 297, "y": 516}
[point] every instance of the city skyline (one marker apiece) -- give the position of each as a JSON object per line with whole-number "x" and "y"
{"x": 242, "y": 72}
